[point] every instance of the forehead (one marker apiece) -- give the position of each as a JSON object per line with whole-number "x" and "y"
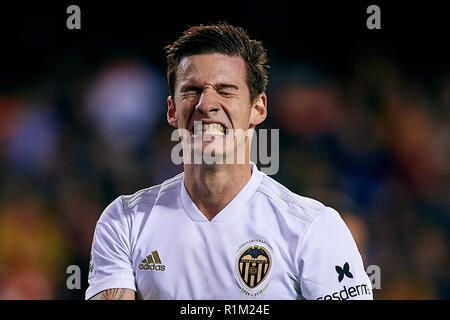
{"x": 212, "y": 68}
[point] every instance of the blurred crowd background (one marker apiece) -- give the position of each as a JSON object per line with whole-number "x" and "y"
{"x": 364, "y": 122}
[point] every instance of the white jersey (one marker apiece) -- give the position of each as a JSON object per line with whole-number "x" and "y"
{"x": 267, "y": 243}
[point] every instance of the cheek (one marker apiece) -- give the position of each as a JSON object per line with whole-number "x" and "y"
{"x": 244, "y": 112}
{"x": 241, "y": 119}
{"x": 184, "y": 109}
{"x": 183, "y": 119}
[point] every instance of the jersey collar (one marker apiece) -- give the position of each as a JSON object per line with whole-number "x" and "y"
{"x": 232, "y": 209}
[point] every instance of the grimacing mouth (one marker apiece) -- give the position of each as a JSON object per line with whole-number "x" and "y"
{"x": 209, "y": 127}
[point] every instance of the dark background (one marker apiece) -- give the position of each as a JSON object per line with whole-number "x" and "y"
{"x": 323, "y": 32}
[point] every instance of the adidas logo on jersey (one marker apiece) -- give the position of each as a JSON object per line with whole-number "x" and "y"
{"x": 152, "y": 262}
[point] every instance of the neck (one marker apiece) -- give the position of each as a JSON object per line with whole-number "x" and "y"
{"x": 212, "y": 187}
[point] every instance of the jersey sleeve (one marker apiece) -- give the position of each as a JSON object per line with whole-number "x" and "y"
{"x": 330, "y": 265}
{"x": 110, "y": 263}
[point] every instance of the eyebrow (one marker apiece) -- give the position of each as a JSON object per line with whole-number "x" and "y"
{"x": 219, "y": 86}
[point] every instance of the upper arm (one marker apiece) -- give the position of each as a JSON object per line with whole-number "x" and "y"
{"x": 330, "y": 264}
{"x": 115, "y": 294}
{"x": 111, "y": 260}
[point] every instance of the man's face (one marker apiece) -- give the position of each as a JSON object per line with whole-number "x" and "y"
{"x": 211, "y": 93}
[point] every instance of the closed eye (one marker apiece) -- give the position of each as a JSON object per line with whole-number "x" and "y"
{"x": 190, "y": 90}
{"x": 227, "y": 89}
{"x": 226, "y": 93}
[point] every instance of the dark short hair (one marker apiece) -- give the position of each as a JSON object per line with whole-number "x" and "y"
{"x": 220, "y": 38}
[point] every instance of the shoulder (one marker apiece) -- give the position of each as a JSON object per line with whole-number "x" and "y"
{"x": 124, "y": 206}
{"x": 302, "y": 208}
{"x": 149, "y": 195}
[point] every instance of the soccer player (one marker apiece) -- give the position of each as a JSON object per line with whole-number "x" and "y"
{"x": 222, "y": 229}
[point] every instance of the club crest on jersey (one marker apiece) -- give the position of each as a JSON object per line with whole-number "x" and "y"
{"x": 253, "y": 265}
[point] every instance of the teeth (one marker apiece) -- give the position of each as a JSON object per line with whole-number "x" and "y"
{"x": 213, "y": 128}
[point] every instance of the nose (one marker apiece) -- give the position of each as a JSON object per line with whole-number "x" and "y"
{"x": 208, "y": 102}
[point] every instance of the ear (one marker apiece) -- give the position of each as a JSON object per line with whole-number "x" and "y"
{"x": 259, "y": 110}
{"x": 171, "y": 113}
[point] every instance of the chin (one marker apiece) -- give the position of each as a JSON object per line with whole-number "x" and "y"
{"x": 209, "y": 153}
